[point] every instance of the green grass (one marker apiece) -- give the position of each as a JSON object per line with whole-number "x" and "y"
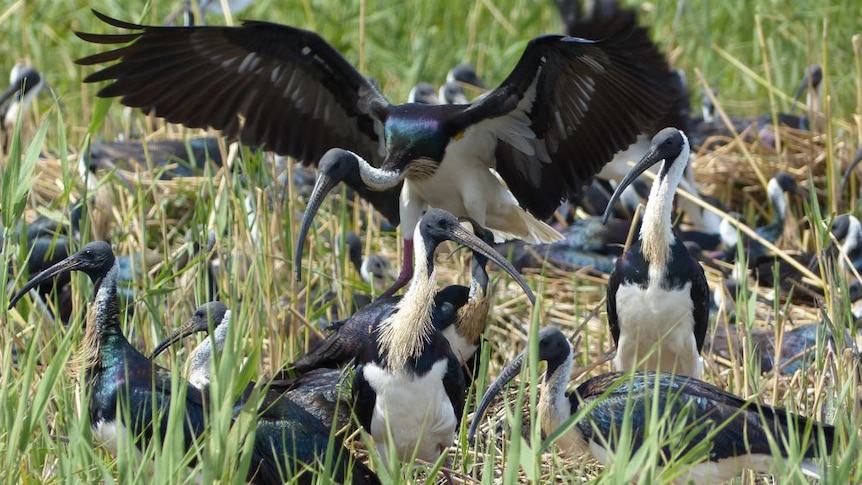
{"x": 753, "y": 52}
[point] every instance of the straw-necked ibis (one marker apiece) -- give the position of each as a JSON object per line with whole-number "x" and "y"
{"x": 562, "y": 112}
{"x": 409, "y": 389}
{"x": 25, "y": 82}
{"x": 658, "y": 298}
{"x": 617, "y": 411}
{"x": 116, "y": 375}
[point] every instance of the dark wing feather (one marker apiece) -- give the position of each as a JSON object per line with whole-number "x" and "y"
{"x": 614, "y": 283}
{"x": 297, "y": 95}
{"x": 605, "y": 18}
{"x": 346, "y": 340}
{"x": 700, "y": 298}
{"x": 744, "y": 425}
{"x": 596, "y": 97}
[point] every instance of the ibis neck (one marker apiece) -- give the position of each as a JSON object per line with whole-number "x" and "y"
{"x": 473, "y": 315}
{"x": 656, "y": 232}
{"x": 200, "y": 360}
{"x": 554, "y": 405}
{"x": 377, "y": 179}
{"x": 409, "y": 328}
{"x": 850, "y": 246}
{"x": 103, "y": 338}
{"x": 776, "y": 197}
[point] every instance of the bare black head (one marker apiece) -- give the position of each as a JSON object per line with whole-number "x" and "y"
{"x": 24, "y": 79}
{"x": 812, "y": 79}
{"x": 840, "y": 226}
{"x": 438, "y": 225}
{"x": 670, "y": 146}
{"x": 452, "y": 93}
{"x": 335, "y": 166}
{"x": 206, "y": 317}
{"x": 783, "y": 182}
{"x": 423, "y": 93}
{"x": 553, "y": 347}
{"x": 95, "y": 259}
{"x": 465, "y": 74}
{"x": 338, "y": 165}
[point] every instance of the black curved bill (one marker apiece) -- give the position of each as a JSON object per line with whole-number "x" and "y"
{"x": 72, "y": 263}
{"x": 461, "y": 235}
{"x": 651, "y": 158}
{"x": 509, "y": 373}
{"x": 322, "y": 187}
{"x": 190, "y": 327}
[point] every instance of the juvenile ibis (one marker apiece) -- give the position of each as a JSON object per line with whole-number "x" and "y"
{"x": 116, "y": 375}
{"x": 423, "y": 93}
{"x": 318, "y": 391}
{"x": 465, "y": 74}
{"x": 460, "y": 313}
{"x": 812, "y": 87}
{"x": 452, "y": 93}
{"x": 25, "y": 83}
{"x": 741, "y": 434}
{"x": 213, "y": 315}
{"x": 658, "y": 298}
{"x": 408, "y": 388}
{"x": 374, "y": 269}
{"x": 176, "y": 158}
{"x": 780, "y": 184}
{"x": 562, "y": 112}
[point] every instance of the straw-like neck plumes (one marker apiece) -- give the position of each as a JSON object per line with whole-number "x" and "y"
{"x": 102, "y": 324}
{"x": 656, "y": 232}
{"x": 405, "y": 332}
{"x": 471, "y": 318}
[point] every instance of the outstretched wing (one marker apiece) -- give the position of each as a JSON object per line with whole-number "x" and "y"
{"x": 267, "y": 84}
{"x": 566, "y": 108}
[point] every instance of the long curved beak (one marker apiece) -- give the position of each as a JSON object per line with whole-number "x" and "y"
{"x": 850, "y": 168}
{"x": 478, "y": 272}
{"x": 191, "y": 326}
{"x": 509, "y": 373}
{"x": 67, "y": 265}
{"x": 322, "y": 187}
{"x": 649, "y": 159}
{"x": 10, "y": 91}
{"x": 810, "y": 79}
{"x": 462, "y": 236}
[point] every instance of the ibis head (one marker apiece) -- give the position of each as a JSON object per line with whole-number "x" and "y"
{"x": 95, "y": 260}
{"x": 423, "y": 93}
{"x": 438, "y": 225}
{"x": 668, "y": 145}
{"x": 553, "y": 348}
{"x": 206, "y": 317}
